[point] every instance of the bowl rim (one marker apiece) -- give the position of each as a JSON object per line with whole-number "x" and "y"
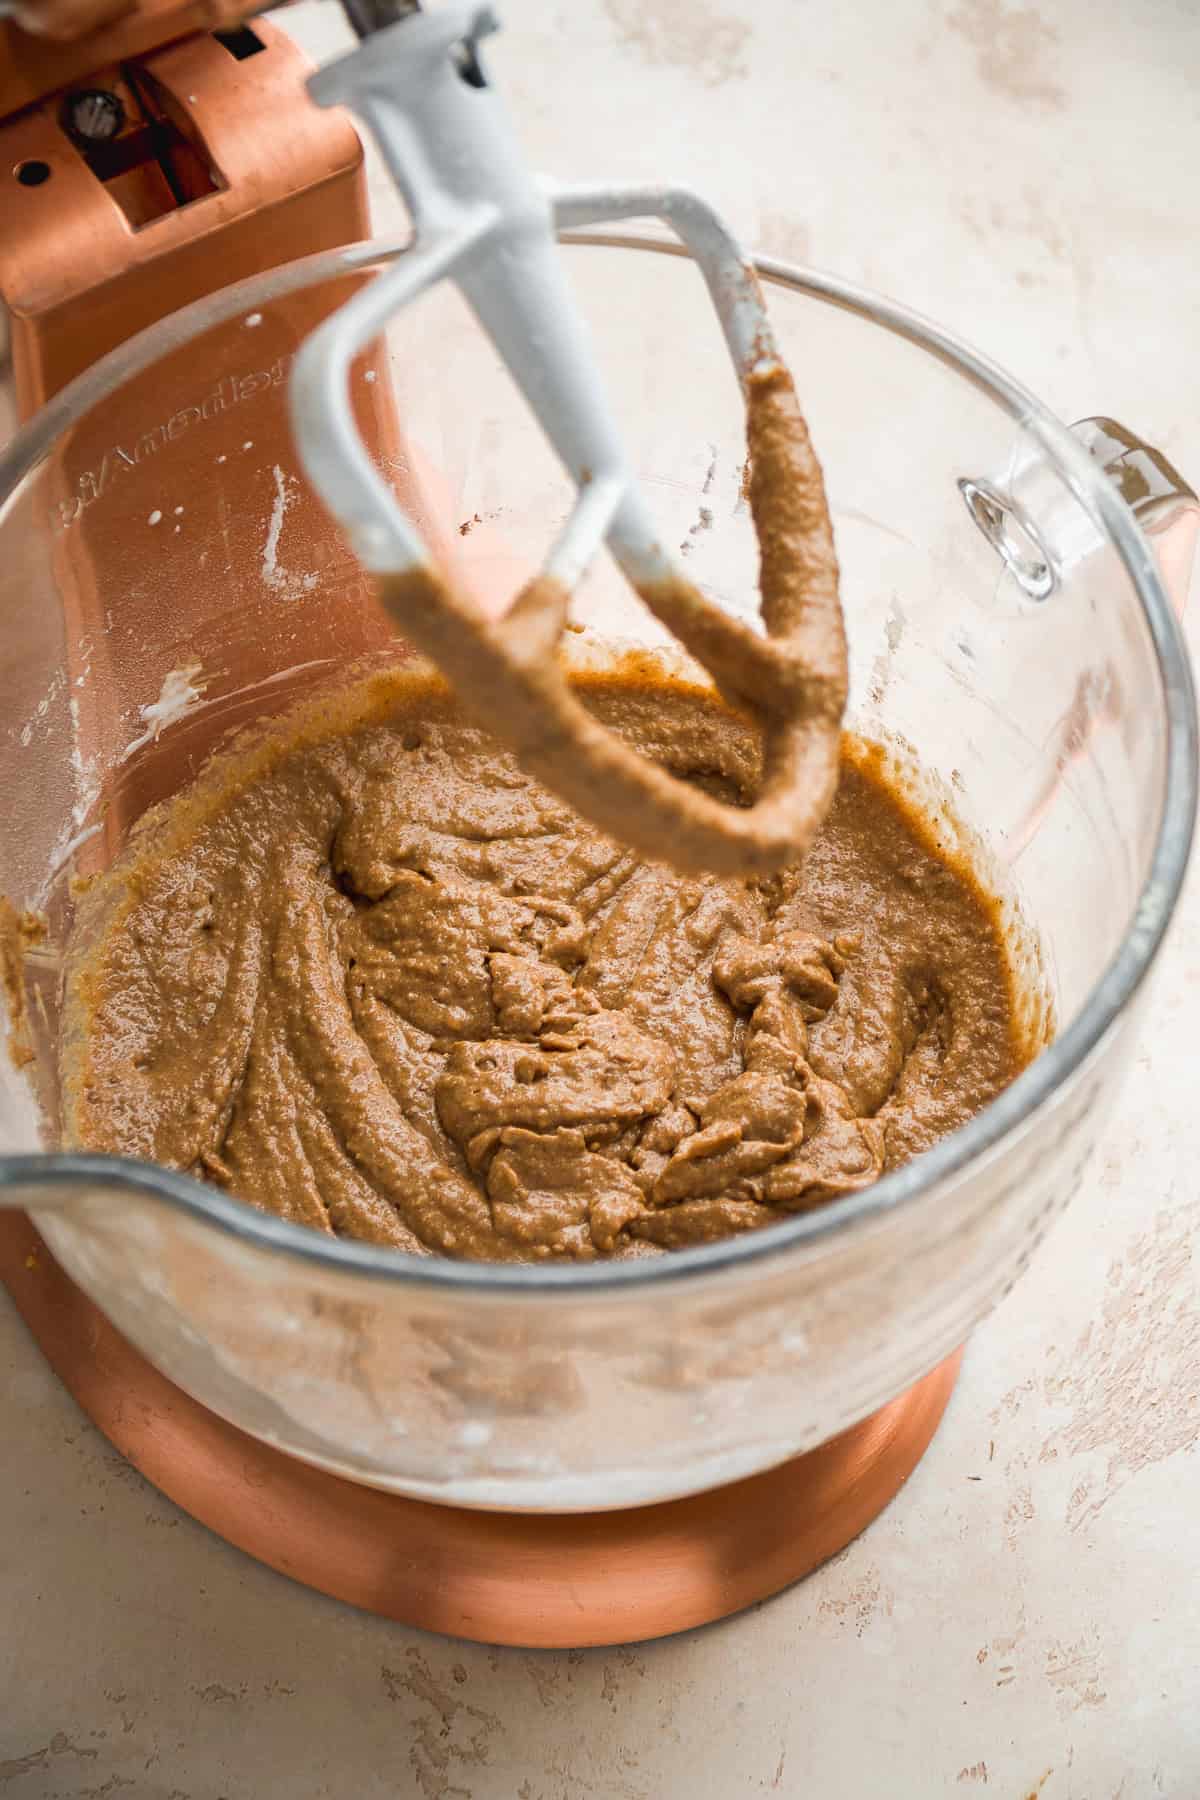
{"x": 43, "y": 1180}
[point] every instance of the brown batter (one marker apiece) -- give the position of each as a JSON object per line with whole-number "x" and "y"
{"x": 377, "y": 980}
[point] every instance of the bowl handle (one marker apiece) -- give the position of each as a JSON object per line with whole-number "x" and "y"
{"x": 1160, "y": 499}
{"x": 1038, "y": 537}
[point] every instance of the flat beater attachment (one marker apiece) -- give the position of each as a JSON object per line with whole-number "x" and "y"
{"x": 482, "y": 221}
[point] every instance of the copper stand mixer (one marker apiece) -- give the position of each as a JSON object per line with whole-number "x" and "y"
{"x": 147, "y": 136}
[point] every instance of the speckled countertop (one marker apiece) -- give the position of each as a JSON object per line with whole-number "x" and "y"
{"x": 1025, "y": 1620}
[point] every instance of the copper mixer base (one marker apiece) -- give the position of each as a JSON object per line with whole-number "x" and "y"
{"x": 535, "y": 1580}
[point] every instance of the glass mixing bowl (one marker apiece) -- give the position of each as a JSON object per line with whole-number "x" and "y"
{"x": 167, "y": 576}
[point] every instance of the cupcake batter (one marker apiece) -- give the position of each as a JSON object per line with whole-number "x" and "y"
{"x": 378, "y": 981}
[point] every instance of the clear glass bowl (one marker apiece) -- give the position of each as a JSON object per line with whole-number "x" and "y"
{"x": 167, "y": 575}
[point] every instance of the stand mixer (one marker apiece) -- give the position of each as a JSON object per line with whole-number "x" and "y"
{"x": 185, "y": 199}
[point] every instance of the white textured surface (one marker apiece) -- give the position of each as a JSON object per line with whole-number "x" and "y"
{"x": 1026, "y": 1618}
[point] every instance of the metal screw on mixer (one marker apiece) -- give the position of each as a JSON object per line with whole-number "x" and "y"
{"x": 93, "y": 115}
